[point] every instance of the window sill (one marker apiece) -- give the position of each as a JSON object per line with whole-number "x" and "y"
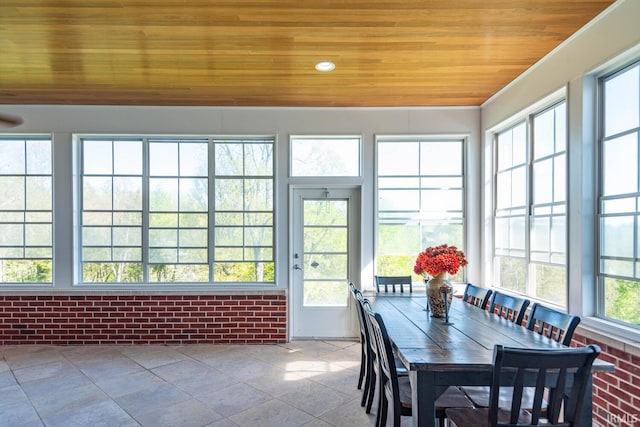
{"x": 89, "y": 290}
{"x": 612, "y": 334}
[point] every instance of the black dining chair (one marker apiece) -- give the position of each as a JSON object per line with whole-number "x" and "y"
{"x": 364, "y": 335}
{"x": 393, "y": 281}
{"x": 368, "y": 356}
{"x": 508, "y": 306}
{"x": 371, "y": 373}
{"x": 476, "y": 295}
{"x": 374, "y": 370}
{"x": 561, "y": 377}
{"x": 545, "y": 321}
{"x": 394, "y": 391}
{"x": 551, "y": 323}
{"x": 511, "y": 308}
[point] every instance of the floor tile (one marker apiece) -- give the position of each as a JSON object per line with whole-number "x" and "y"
{"x": 316, "y": 422}
{"x": 154, "y": 399}
{"x": 272, "y": 413}
{"x": 19, "y": 414}
{"x": 189, "y": 413}
{"x": 127, "y": 384}
{"x": 35, "y": 356}
{"x": 278, "y": 383}
{"x": 7, "y": 379}
{"x": 233, "y": 399}
{"x": 99, "y": 414}
{"x": 310, "y": 383}
{"x": 349, "y": 414}
{"x": 315, "y": 398}
{"x": 12, "y": 395}
{"x": 64, "y": 400}
{"x": 45, "y": 370}
{"x": 222, "y": 423}
{"x": 98, "y": 369}
{"x": 51, "y": 385}
{"x": 153, "y": 356}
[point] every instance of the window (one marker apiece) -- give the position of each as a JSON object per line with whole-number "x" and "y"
{"x": 325, "y": 156}
{"x": 619, "y": 207}
{"x": 26, "y": 218}
{"x": 530, "y": 217}
{"x": 420, "y": 184}
{"x": 157, "y": 210}
{"x": 511, "y": 209}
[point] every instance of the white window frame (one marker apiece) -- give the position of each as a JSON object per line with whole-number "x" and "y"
{"x": 602, "y": 200}
{"x": 526, "y": 117}
{"x": 413, "y": 215}
{"x": 211, "y": 141}
{"x": 31, "y": 216}
{"x": 324, "y": 138}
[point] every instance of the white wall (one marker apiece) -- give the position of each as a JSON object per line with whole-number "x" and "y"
{"x": 64, "y": 121}
{"x": 611, "y": 39}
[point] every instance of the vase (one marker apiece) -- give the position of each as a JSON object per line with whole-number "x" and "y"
{"x": 435, "y": 297}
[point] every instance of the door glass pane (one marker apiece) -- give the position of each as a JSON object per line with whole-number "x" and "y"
{"x": 325, "y": 266}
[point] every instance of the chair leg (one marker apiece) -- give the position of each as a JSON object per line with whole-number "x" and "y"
{"x": 383, "y": 408}
{"x": 396, "y": 417}
{"x": 367, "y": 383}
{"x": 362, "y": 367}
{"x": 372, "y": 391}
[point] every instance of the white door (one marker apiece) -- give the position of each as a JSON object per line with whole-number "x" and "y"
{"x": 325, "y": 254}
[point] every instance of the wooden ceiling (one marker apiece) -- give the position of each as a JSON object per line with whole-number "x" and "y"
{"x": 262, "y": 52}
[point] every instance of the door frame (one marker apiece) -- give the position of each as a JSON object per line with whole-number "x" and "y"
{"x": 354, "y": 250}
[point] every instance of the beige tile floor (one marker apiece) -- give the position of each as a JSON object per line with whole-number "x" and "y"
{"x": 301, "y": 383}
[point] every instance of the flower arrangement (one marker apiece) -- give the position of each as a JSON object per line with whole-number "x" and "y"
{"x": 436, "y": 260}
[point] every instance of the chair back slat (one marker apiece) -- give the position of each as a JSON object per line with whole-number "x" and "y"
{"x": 476, "y": 295}
{"x": 538, "y": 397}
{"x": 560, "y": 375}
{"x": 509, "y": 307}
{"x": 553, "y": 324}
{"x": 393, "y": 281}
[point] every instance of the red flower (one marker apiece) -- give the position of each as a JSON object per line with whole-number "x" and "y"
{"x": 436, "y": 260}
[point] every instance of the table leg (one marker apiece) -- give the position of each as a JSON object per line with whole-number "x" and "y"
{"x": 423, "y": 397}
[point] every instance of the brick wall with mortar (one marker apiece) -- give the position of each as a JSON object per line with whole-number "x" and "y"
{"x": 616, "y": 395}
{"x": 143, "y": 319}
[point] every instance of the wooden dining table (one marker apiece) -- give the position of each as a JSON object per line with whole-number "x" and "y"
{"x": 439, "y": 355}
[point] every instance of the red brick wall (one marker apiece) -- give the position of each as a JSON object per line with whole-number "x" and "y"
{"x": 143, "y": 319}
{"x": 616, "y": 395}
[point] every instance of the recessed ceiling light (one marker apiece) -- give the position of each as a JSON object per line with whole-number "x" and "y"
{"x": 325, "y": 66}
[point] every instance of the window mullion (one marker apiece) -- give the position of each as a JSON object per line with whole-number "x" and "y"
{"x": 145, "y": 210}
{"x": 211, "y": 217}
